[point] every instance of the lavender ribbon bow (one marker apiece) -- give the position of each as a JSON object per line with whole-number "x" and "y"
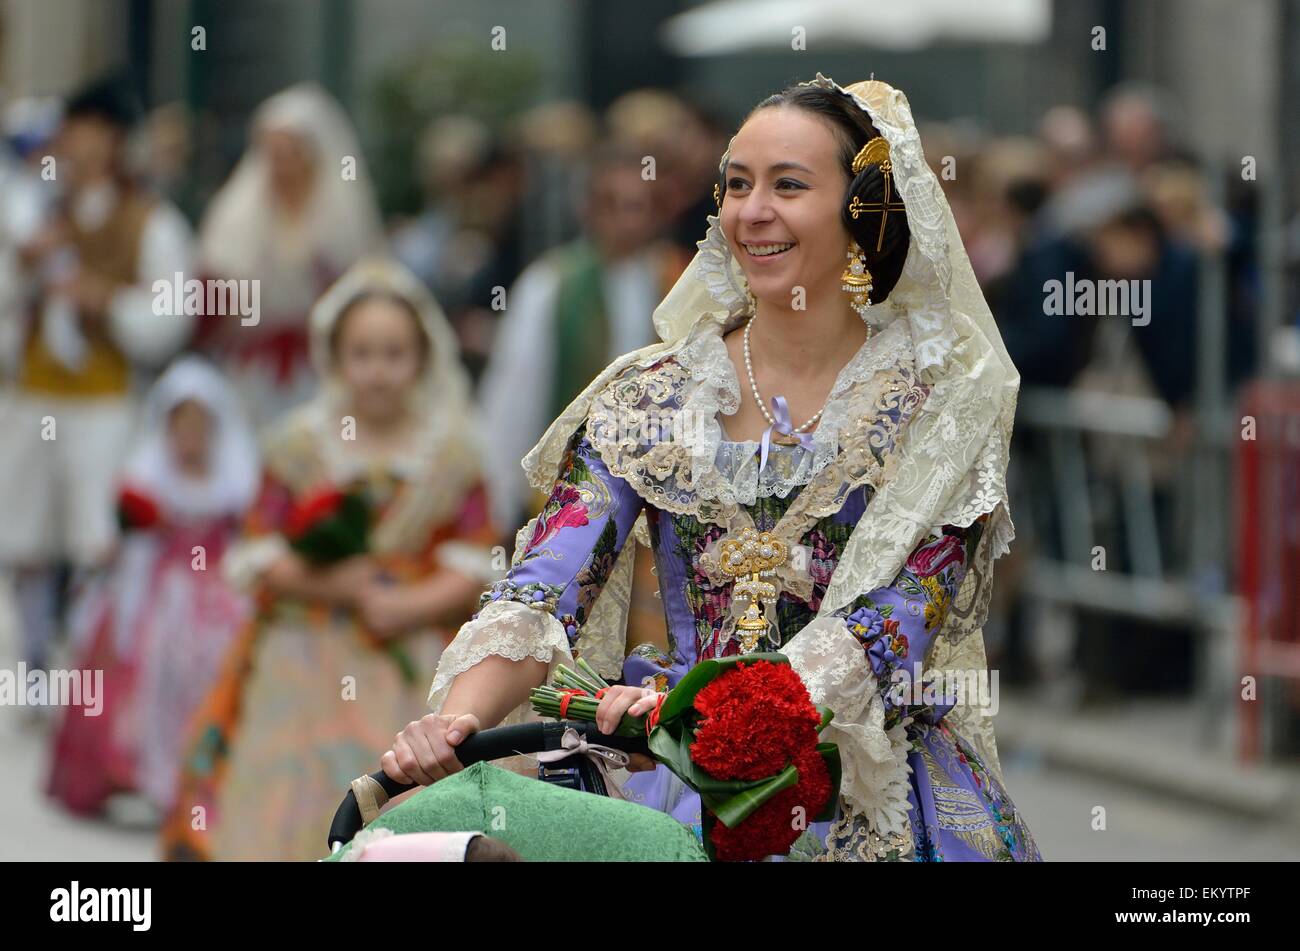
{"x": 602, "y": 757}
{"x": 783, "y": 426}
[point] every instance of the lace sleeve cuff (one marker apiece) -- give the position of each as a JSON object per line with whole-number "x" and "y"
{"x": 508, "y": 629}
{"x": 874, "y": 782}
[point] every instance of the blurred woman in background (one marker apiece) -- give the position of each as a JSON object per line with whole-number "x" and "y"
{"x": 298, "y": 210}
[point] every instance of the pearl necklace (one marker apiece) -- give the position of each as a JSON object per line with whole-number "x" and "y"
{"x": 753, "y": 384}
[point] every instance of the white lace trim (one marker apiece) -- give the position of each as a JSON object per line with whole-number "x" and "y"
{"x": 635, "y": 423}
{"x": 507, "y": 629}
{"x": 715, "y": 388}
{"x": 874, "y": 781}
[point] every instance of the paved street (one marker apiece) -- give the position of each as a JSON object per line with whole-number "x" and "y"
{"x": 1140, "y": 825}
{"x": 32, "y": 827}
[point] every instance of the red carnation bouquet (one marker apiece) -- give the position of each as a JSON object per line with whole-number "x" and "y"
{"x": 743, "y": 733}
{"x": 136, "y": 510}
{"x": 328, "y": 525}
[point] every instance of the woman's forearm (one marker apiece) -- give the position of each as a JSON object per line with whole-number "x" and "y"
{"x": 447, "y": 597}
{"x": 493, "y": 687}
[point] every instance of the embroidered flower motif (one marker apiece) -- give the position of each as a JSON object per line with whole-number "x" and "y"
{"x": 931, "y": 559}
{"x": 701, "y": 579}
{"x": 568, "y": 510}
{"x": 866, "y": 623}
{"x": 591, "y": 580}
{"x": 936, "y": 609}
{"x": 824, "y": 558}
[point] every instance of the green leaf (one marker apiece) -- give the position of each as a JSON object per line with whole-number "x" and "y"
{"x": 772, "y": 657}
{"x": 735, "y": 810}
{"x": 682, "y": 697}
{"x": 827, "y": 716}
{"x": 671, "y": 746}
{"x": 830, "y": 753}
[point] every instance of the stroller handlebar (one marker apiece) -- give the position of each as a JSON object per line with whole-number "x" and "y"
{"x": 485, "y": 745}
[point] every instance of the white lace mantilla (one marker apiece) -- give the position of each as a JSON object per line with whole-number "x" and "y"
{"x": 874, "y": 767}
{"x": 659, "y": 428}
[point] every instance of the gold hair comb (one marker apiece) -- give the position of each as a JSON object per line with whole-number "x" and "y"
{"x": 875, "y": 152}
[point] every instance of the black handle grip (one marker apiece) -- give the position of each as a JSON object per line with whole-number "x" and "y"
{"x": 484, "y": 746}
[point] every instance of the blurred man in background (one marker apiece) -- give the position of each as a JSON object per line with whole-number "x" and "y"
{"x": 91, "y": 332}
{"x": 570, "y": 313}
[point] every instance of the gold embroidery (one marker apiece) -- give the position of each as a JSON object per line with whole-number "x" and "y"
{"x": 851, "y": 839}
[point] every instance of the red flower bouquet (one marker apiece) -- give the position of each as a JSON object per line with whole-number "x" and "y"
{"x": 136, "y": 510}
{"x": 741, "y": 731}
{"x": 328, "y": 525}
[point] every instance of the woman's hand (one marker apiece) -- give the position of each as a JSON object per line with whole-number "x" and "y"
{"x": 291, "y": 576}
{"x": 347, "y": 578}
{"x": 425, "y": 751}
{"x": 387, "y": 609}
{"x": 618, "y": 701}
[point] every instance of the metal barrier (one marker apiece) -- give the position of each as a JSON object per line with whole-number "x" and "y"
{"x": 1084, "y": 485}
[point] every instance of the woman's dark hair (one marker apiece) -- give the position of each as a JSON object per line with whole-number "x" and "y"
{"x": 853, "y": 129}
{"x": 363, "y": 297}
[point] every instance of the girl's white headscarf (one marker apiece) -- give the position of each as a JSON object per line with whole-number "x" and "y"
{"x": 445, "y": 455}
{"x": 234, "y": 470}
{"x": 443, "y": 390}
{"x": 228, "y": 489}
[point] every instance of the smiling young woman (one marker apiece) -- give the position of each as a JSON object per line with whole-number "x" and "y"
{"x": 836, "y": 259}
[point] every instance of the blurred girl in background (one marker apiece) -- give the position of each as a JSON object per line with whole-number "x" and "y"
{"x": 366, "y": 549}
{"x": 161, "y": 617}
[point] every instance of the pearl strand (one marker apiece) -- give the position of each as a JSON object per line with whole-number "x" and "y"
{"x": 753, "y": 386}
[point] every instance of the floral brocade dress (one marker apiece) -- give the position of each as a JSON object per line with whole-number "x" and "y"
{"x": 957, "y": 808}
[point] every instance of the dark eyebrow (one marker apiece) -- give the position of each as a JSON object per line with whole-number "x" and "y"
{"x": 778, "y": 167}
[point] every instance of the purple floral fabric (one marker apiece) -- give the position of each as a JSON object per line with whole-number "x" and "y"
{"x": 959, "y": 809}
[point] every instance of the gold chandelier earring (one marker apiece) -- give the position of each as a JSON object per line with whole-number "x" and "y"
{"x": 856, "y": 277}
{"x": 857, "y": 280}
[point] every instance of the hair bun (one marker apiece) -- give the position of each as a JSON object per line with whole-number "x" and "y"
{"x": 876, "y": 217}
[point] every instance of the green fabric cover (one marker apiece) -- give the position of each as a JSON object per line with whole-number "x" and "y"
{"x": 541, "y": 821}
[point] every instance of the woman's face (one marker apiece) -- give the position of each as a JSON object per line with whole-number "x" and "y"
{"x": 290, "y": 163}
{"x": 784, "y": 192}
{"x": 378, "y": 357}
{"x": 189, "y": 434}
